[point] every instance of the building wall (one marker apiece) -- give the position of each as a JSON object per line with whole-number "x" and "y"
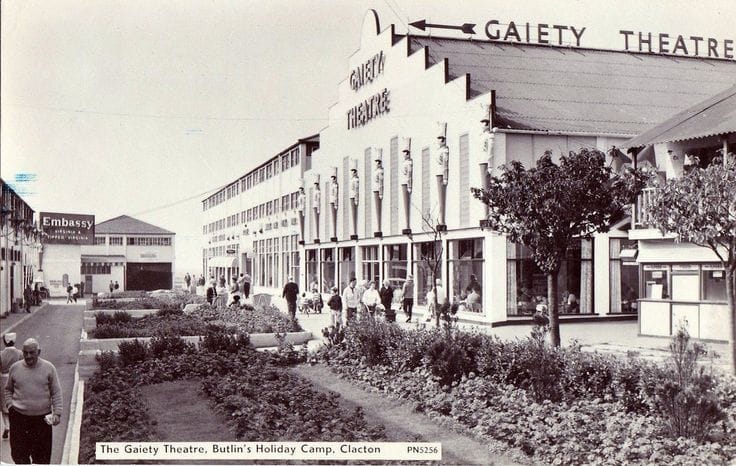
{"x": 60, "y": 260}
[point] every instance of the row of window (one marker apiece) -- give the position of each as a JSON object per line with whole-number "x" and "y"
{"x": 285, "y": 203}
{"x": 95, "y": 269}
{"x": 133, "y": 241}
{"x": 265, "y": 172}
{"x": 684, "y": 282}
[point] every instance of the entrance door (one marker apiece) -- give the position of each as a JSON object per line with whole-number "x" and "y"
{"x": 88, "y": 284}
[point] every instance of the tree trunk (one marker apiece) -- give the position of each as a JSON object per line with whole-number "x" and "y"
{"x": 554, "y": 314}
{"x": 731, "y": 315}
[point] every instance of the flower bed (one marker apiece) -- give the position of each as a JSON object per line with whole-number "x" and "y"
{"x": 261, "y": 399}
{"x": 146, "y": 301}
{"x": 556, "y": 406}
{"x": 173, "y": 320}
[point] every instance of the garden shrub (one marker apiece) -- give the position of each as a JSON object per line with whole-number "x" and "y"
{"x": 169, "y": 309}
{"x": 408, "y": 349}
{"x": 448, "y": 359}
{"x": 370, "y": 339}
{"x": 587, "y": 375}
{"x": 218, "y": 338}
{"x": 107, "y": 360}
{"x": 687, "y": 400}
{"x": 132, "y": 352}
{"x": 167, "y": 343}
{"x": 118, "y": 317}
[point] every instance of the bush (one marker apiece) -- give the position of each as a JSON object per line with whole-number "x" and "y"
{"x": 217, "y": 338}
{"x": 132, "y": 352}
{"x": 370, "y": 340}
{"x": 107, "y": 360}
{"x": 170, "y": 309}
{"x": 686, "y": 400}
{"x": 117, "y": 317}
{"x": 167, "y": 344}
{"x": 452, "y": 357}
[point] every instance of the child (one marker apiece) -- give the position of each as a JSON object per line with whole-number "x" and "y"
{"x": 335, "y": 305}
{"x": 317, "y": 302}
{"x": 235, "y": 304}
{"x": 304, "y": 304}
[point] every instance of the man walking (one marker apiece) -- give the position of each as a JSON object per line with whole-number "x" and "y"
{"x": 33, "y": 398}
{"x": 246, "y": 285}
{"x": 112, "y": 286}
{"x": 291, "y": 293}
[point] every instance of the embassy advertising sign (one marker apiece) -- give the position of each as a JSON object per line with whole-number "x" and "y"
{"x": 67, "y": 228}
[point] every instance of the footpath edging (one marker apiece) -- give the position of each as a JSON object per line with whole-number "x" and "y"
{"x": 70, "y": 454}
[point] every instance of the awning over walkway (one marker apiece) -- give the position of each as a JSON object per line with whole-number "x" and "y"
{"x": 223, "y": 261}
{"x": 712, "y": 117}
{"x": 103, "y": 260}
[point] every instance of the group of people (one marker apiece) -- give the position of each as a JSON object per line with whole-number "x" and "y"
{"x": 114, "y": 286}
{"x": 219, "y": 294}
{"x": 356, "y": 299}
{"x": 31, "y": 401}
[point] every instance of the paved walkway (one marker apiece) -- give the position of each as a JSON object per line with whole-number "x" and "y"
{"x": 401, "y": 422}
{"x": 617, "y": 338}
{"x": 57, "y": 327}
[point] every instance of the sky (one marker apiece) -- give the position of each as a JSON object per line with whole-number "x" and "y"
{"x": 143, "y": 107}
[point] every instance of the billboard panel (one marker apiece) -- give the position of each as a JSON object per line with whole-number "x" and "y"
{"x": 67, "y": 228}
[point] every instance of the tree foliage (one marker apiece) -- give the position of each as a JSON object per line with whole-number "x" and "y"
{"x": 550, "y": 205}
{"x": 700, "y": 207}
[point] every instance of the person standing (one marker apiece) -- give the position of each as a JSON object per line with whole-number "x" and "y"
{"x": 187, "y": 281}
{"x": 291, "y": 292}
{"x": 210, "y": 294}
{"x": 112, "y": 286}
{"x": 335, "y": 305}
{"x": 117, "y": 285}
{"x": 371, "y": 298}
{"x": 241, "y": 285}
{"x": 246, "y": 285}
{"x": 387, "y": 295}
{"x": 75, "y": 292}
{"x": 34, "y": 401}
{"x": 69, "y": 290}
{"x": 9, "y": 356}
{"x": 407, "y": 293}
{"x": 233, "y": 291}
{"x": 350, "y": 300}
{"x": 27, "y": 297}
{"x": 220, "y": 293}
{"x": 359, "y": 291}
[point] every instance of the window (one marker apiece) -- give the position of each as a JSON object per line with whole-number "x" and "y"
{"x": 116, "y": 241}
{"x": 99, "y": 240}
{"x": 685, "y": 282}
{"x": 328, "y": 270}
{"x": 371, "y": 264}
{"x": 714, "y": 283}
{"x": 527, "y": 284}
{"x": 624, "y": 275}
{"x": 149, "y": 241}
{"x": 95, "y": 269}
{"x": 656, "y": 281}
{"x": 394, "y": 263}
{"x": 295, "y": 157}
{"x": 466, "y": 269}
{"x": 426, "y": 255}
{"x": 311, "y": 264}
{"x": 346, "y": 267}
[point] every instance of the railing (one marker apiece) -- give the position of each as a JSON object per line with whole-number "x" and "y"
{"x": 642, "y": 211}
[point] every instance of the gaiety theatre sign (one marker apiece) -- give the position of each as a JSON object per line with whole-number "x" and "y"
{"x": 632, "y": 41}
{"x": 375, "y": 105}
{"x": 67, "y": 228}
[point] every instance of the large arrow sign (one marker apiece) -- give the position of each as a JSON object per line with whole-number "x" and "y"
{"x": 467, "y": 28}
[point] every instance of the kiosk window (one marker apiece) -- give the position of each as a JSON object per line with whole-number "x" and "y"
{"x": 656, "y": 283}
{"x": 714, "y": 285}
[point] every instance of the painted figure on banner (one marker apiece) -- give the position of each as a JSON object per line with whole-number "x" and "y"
{"x": 378, "y": 185}
{"x": 334, "y": 195}
{"x": 354, "y": 195}
{"x": 316, "y": 202}
{"x": 442, "y": 164}
{"x": 407, "y": 174}
{"x": 301, "y": 201}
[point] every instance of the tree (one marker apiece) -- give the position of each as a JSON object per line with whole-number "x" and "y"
{"x": 433, "y": 259}
{"x": 700, "y": 208}
{"x": 547, "y": 207}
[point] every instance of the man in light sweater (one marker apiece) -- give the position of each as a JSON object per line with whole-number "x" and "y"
{"x": 33, "y": 398}
{"x": 350, "y": 300}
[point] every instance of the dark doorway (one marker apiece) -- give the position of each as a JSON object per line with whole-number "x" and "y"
{"x": 88, "y": 284}
{"x": 148, "y": 276}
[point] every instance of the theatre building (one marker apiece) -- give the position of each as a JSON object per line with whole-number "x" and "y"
{"x": 133, "y": 253}
{"x": 406, "y": 141}
{"x": 251, "y": 224}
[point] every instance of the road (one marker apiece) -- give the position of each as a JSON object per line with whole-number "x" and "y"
{"x": 57, "y": 327}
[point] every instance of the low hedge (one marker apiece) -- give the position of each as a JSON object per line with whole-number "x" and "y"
{"x": 261, "y": 399}
{"x": 558, "y": 406}
{"x": 173, "y": 320}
